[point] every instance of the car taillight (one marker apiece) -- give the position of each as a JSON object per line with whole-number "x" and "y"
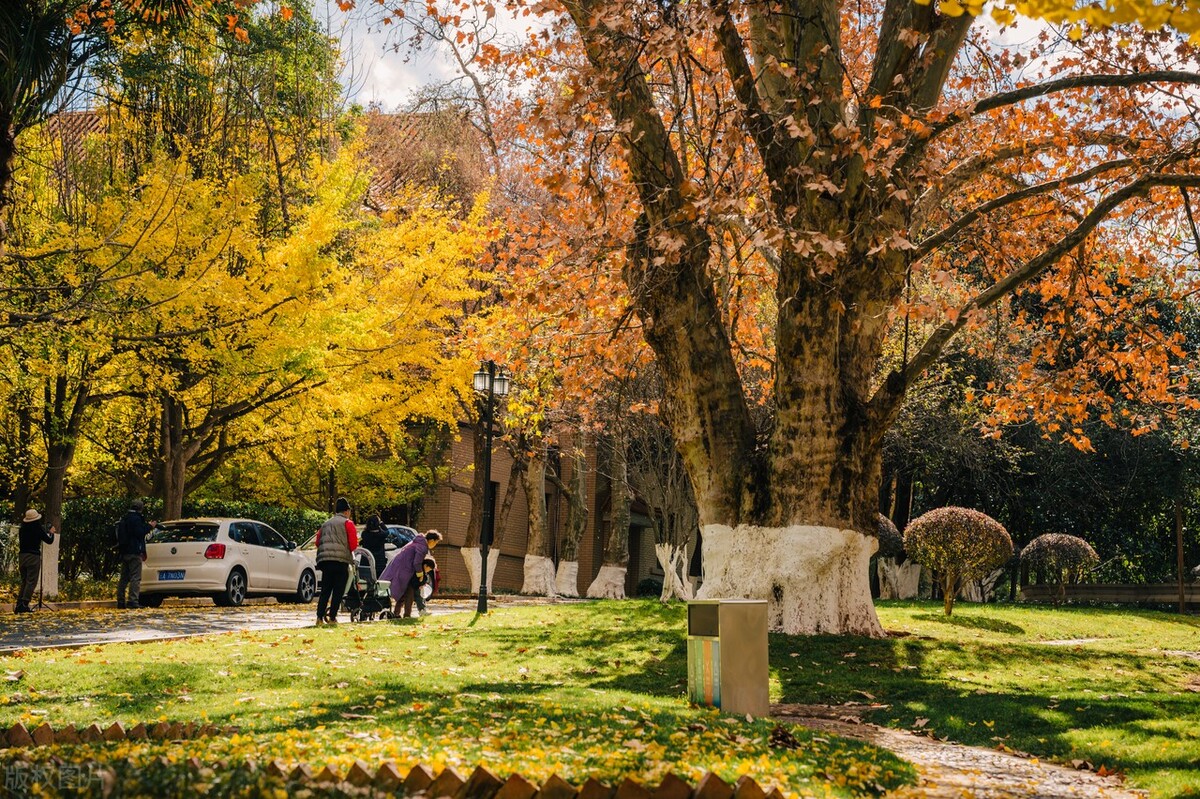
{"x": 215, "y": 552}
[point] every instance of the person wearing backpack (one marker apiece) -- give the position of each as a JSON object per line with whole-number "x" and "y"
{"x": 131, "y": 547}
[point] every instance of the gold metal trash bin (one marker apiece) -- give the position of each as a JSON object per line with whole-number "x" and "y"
{"x": 727, "y": 655}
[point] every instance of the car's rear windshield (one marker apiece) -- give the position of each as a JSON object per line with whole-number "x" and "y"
{"x": 183, "y": 532}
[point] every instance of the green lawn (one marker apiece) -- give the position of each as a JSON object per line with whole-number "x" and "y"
{"x": 598, "y": 690}
{"x": 577, "y": 690}
{"x": 1002, "y": 674}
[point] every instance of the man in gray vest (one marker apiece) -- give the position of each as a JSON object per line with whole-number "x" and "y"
{"x": 336, "y": 539}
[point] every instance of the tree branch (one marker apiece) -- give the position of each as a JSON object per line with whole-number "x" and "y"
{"x": 944, "y": 235}
{"x": 886, "y": 402}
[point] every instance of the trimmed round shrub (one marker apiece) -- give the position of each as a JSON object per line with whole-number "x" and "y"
{"x": 891, "y": 543}
{"x": 960, "y": 544}
{"x": 1064, "y": 558}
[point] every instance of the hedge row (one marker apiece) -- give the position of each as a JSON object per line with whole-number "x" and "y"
{"x": 89, "y": 548}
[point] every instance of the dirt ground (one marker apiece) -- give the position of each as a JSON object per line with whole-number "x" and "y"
{"x": 953, "y": 771}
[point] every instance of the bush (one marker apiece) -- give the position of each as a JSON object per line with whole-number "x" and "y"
{"x": 649, "y": 586}
{"x": 1064, "y": 558}
{"x": 891, "y": 543}
{"x": 89, "y": 547}
{"x": 960, "y": 544}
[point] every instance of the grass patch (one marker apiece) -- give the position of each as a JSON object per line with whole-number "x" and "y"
{"x": 598, "y": 689}
{"x": 581, "y": 690}
{"x": 1112, "y": 687}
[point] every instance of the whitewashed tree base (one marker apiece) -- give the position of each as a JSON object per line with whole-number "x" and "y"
{"x": 471, "y": 557}
{"x": 566, "y": 582}
{"x": 609, "y": 583}
{"x": 980, "y": 590}
{"x": 815, "y": 579}
{"x": 674, "y": 565}
{"x": 49, "y": 577}
{"x": 539, "y": 576}
{"x": 898, "y": 580}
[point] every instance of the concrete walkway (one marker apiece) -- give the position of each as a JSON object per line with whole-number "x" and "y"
{"x": 954, "y": 771}
{"x": 77, "y": 626}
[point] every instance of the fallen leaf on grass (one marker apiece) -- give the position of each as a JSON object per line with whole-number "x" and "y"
{"x": 920, "y": 723}
{"x": 14, "y": 676}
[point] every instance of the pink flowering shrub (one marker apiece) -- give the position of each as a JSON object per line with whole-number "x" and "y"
{"x": 1064, "y": 558}
{"x": 960, "y": 544}
{"x": 891, "y": 543}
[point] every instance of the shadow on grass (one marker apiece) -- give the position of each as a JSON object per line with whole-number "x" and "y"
{"x": 973, "y": 622}
{"x": 985, "y": 693}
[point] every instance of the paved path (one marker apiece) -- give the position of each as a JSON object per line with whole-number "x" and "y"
{"x": 954, "y": 771}
{"x": 71, "y": 628}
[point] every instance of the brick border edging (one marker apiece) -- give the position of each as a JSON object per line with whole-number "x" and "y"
{"x": 420, "y": 781}
{"x": 21, "y": 737}
{"x": 483, "y": 784}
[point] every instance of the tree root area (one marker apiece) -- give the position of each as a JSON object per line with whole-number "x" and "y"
{"x": 953, "y": 771}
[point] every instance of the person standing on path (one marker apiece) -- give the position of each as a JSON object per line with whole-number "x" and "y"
{"x": 374, "y": 540}
{"x": 131, "y": 546}
{"x": 33, "y": 534}
{"x": 336, "y": 540}
{"x": 403, "y": 570}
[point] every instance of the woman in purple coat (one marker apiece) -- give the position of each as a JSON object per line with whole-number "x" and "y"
{"x": 402, "y": 573}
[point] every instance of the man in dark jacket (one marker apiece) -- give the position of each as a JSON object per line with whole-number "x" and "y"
{"x": 131, "y": 546}
{"x": 33, "y": 534}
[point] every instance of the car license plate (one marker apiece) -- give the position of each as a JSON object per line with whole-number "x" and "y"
{"x": 171, "y": 575}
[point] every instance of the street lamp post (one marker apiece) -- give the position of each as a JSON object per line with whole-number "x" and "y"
{"x": 492, "y": 385}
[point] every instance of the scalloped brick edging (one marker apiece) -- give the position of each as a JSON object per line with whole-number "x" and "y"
{"x": 19, "y": 736}
{"x": 483, "y": 784}
{"x": 420, "y": 780}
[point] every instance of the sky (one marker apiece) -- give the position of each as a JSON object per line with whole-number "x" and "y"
{"x": 374, "y": 71}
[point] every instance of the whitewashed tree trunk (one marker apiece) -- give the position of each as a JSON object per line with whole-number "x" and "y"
{"x": 674, "y": 565}
{"x": 980, "y": 590}
{"x": 898, "y": 580}
{"x": 566, "y": 582}
{"x": 471, "y": 557}
{"x": 609, "y": 583}
{"x": 539, "y": 576}
{"x": 49, "y": 583}
{"x": 813, "y": 578}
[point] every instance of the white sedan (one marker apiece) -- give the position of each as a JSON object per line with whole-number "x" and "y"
{"x": 227, "y": 559}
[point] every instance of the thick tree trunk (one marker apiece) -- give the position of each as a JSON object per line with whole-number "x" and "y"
{"x": 539, "y": 566}
{"x": 471, "y": 557}
{"x": 176, "y": 450}
{"x": 566, "y": 580}
{"x": 610, "y": 580}
{"x": 814, "y": 579}
{"x": 577, "y": 509}
{"x": 64, "y": 404}
{"x": 59, "y": 458}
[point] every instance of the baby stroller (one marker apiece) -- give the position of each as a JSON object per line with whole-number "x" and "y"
{"x": 366, "y": 597}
